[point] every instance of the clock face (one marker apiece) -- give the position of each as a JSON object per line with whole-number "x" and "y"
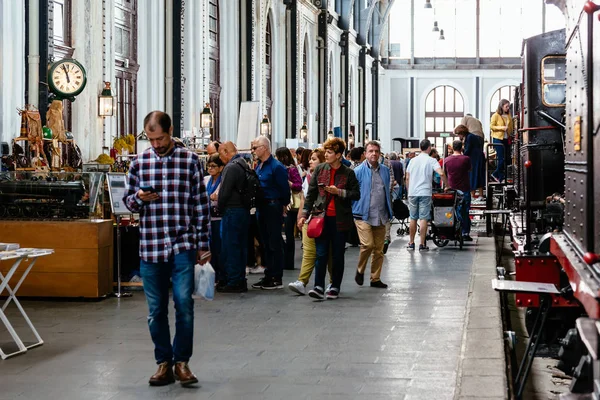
{"x": 67, "y": 78}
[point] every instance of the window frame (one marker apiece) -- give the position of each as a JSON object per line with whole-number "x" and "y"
{"x": 551, "y": 81}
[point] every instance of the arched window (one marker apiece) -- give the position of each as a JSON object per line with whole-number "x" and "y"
{"x": 444, "y": 108}
{"x": 268, "y": 68}
{"x": 214, "y": 65}
{"x": 126, "y": 66}
{"x": 505, "y": 92}
{"x": 305, "y": 81}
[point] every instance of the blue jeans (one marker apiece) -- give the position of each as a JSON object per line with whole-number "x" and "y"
{"x": 463, "y": 213}
{"x": 215, "y": 249}
{"x": 501, "y": 151}
{"x": 180, "y": 268}
{"x": 234, "y": 245}
{"x": 270, "y": 220}
{"x": 337, "y": 240}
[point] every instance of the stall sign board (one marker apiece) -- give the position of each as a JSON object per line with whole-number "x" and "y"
{"x": 117, "y": 186}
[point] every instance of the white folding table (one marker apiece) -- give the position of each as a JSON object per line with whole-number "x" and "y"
{"x": 25, "y": 257}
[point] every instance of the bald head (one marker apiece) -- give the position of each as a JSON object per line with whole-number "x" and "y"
{"x": 264, "y": 141}
{"x": 213, "y": 148}
{"x": 226, "y": 151}
{"x": 159, "y": 122}
{"x": 261, "y": 146}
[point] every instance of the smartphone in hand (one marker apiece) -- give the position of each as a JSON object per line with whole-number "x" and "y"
{"x": 148, "y": 189}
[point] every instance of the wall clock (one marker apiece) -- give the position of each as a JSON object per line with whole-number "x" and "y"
{"x": 66, "y": 79}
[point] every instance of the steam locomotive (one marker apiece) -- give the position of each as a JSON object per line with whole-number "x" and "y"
{"x": 41, "y": 197}
{"x": 554, "y": 199}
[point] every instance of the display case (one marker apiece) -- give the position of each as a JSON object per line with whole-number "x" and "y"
{"x": 52, "y": 196}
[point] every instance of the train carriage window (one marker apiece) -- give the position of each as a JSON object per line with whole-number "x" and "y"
{"x": 554, "y": 81}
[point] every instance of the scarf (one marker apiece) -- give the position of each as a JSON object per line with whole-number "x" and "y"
{"x": 211, "y": 187}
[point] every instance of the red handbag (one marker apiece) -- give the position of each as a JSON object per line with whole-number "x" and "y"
{"x": 315, "y": 225}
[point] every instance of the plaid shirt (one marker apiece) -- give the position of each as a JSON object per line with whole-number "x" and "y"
{"x": 180, "y": 219}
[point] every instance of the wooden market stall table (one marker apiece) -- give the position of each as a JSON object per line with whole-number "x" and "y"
{"x": 82, "y": 263}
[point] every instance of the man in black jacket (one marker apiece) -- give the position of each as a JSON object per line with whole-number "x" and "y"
{"x": 234, "y": 225}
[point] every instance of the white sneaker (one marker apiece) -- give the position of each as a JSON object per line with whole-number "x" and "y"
{"x": 297, "y": 287}
{"x": 257, "y": 270}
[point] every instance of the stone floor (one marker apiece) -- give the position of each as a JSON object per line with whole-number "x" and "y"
{"x": 406, "y": 342}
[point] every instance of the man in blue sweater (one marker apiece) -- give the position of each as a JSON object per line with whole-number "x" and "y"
{"x": 371, "y": 213}
{"x": 273, "y": 177}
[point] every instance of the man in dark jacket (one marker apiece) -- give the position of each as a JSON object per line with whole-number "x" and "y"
{"x": 234, "y": 225}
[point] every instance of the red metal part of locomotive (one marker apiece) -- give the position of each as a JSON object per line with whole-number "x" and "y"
{"x": 586, "y": 288}
{"x": 545, "y": 269}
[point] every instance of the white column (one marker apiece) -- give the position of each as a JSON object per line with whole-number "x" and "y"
{"x": 12, "y": 67}
{"x": 33, "y": 54}
{"x": 88, "y": 45}
{"x": 229, "y": 24}
{"x": 151, "y": 81}
{"x": 110, "y": 123}
{"x": 169, "y": 58}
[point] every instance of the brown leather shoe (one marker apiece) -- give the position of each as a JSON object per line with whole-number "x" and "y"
{"x": 184, "y": 375}
{"x": 163, "y": 376}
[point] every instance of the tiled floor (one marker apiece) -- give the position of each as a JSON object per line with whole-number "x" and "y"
{"x": 399, "y": 343}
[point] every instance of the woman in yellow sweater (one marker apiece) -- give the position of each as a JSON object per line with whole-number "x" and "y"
{"x": 501, "y": 126}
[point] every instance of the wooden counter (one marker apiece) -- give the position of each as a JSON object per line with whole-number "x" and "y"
{"x": 81, "y": 266}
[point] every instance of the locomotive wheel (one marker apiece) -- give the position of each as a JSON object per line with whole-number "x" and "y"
{"x": 440, "y": 242}
{"x": 558, "y": 323}
{"x": 43, "y": 212}
{"x": 13, "y": 211}
{"x": 28, "y": 211}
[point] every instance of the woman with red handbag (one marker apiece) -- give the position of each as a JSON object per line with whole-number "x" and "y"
{"x": 332, "y": 188}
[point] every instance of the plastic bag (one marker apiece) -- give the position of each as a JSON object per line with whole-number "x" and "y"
{"x": 204, "y": 281}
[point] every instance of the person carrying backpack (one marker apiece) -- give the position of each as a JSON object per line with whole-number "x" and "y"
{"x": 273, "y": 178}
{"x": 234, "y": 207}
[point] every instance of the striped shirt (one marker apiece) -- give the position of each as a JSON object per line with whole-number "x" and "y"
{"x": 180, "y": 219}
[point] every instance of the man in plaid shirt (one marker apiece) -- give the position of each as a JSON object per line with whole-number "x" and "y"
{"x": 167, "y": 190}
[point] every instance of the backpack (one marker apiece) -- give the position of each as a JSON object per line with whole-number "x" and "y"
{"x": 251, "y": 193}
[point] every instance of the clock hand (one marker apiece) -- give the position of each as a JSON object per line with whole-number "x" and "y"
{"x": 66, "y": 73}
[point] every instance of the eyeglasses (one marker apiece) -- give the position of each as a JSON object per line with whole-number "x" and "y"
{"x": 256, "y": 147}
{"x": 212, "y": 166}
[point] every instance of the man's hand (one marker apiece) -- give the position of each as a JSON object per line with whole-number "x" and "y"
{"x": 301, "y": 222}
{"x": 203, "y": 257}
{"x": 147, "y": 196}
{"x": 332, "y": 189}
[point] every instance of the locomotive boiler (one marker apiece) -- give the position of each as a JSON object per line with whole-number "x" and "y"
{"x": 24, "y": 196}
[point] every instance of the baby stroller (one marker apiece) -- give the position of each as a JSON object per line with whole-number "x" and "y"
{"x": 445, "y": 224}
{"x": 400, "y": 210}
